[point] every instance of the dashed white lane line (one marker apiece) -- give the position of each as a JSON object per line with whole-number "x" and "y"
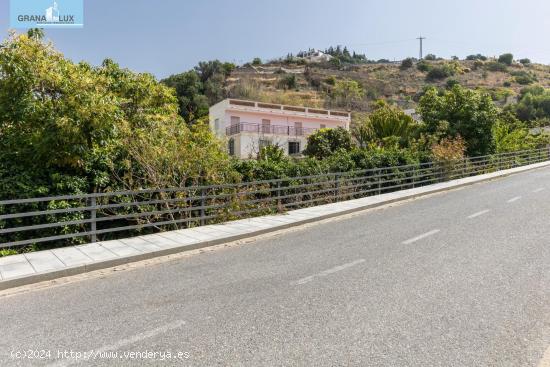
{"x": 538, "y": 190}
{"x": 417, "y": 238}
{"x": 514, "y": 199}
{"x": 479, "y": 213}
{"x": 120, "y": 344}
{"x": 328, "y": 272}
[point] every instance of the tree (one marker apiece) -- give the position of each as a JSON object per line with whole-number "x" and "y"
{"x": 69, "y": 128}
{"x": 406, "y": 64}
{"x": 386, "y": 126}
{"x": 506, "y": 59}
{"x": 257, "y": 61}
{"x": 325, "y": 142}
{"x": 346, "y": 93}
{"x": 525, "y": 62}
{"x": 192, "y": 103}
{"x": 466, "y": 113}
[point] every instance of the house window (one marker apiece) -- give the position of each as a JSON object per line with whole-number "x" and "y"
{"x": 293, "y": 147}
{"x": 323, "y": 126}
{"x": 298, "y": 128}
{"x": 264, "y": 143}
{"x": 266, "y": 126}
{"x": 235, "y": 120}
{"x": 231, "y": 146}
{"x": 217, "y": 125}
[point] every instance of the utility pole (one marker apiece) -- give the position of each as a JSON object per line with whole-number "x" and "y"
{"x": 421, "y": 39}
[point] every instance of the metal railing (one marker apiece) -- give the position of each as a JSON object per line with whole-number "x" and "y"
{"x": 73, "y": 219}
{"x": 268, "y": 129}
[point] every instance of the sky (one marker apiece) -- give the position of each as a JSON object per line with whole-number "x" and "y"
{"x": 164, "y": 37}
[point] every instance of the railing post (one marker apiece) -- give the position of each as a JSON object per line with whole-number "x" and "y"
{"x": 278, "y": 195}
{"x": 336, "y": 187}
{"x": 379, "y": 181}
{"x": 93, "y": 216}
{"x": 203, "y": 204}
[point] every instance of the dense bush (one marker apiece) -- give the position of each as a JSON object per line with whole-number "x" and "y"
{"x": 506, "y": 59}
{"x": 466, "y": 113}
{"x": 496, "y": 66}
{"x": 325, "y": 142}
{"x": 476, "y": 57}
{"x": 407, "y": 64}
{"x": 287, "y": 82}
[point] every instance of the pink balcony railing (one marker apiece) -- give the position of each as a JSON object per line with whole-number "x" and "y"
{"x": 268, "y": 129}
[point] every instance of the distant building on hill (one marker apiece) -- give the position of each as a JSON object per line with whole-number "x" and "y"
{"x": 248, "y": 126}
{"x": 317, "y": 56}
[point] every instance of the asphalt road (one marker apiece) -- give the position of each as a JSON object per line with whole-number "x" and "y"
{"x": 456, "y": 279}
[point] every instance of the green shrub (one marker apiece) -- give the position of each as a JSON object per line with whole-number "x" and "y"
{"x": 525, "y": 62}
{"x": 287, "y": 81}
{"x": 451, "y": 83}
{"x": 496, "y": 66}
{"x": 325, "y": 142}
{"x": 407, "y": 64}
{"x": 506, "y": 59}
{"x": 257, "y": 61}
{"x": 439, "y": 72}
{"x": 424, "y": 66}
{"x": 523, "y": 77}
{"x": 476, "y": 57}
{"x": 430, "y": 57}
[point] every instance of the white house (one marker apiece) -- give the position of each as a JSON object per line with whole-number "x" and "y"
{"x": 247, "y": 126}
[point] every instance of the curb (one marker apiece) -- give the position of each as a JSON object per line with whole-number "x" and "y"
{"x": 384, "y": 199}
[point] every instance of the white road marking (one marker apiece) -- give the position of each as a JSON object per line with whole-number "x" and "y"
{"x": 417, "y": 238}
{"x": 538, "y": 190}
{"x": 328, "y": 272}
{"x": 514, "y": 199}
{"x": 545, "y": 361}
{"x": 479, "y": 213}
{"x": 121, "y": 343}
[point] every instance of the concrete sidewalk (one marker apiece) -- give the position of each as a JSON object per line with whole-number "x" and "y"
{"x": 40, "y": 266}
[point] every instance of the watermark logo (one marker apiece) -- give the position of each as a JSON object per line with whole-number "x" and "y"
{"x": 46, "y": 13}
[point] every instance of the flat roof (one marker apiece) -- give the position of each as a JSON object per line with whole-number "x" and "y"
{"x": 288, "y": 108}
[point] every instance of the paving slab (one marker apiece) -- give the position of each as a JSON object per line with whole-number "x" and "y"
{"x": 121, "y": 248}
{"x": 15, "y": 266}
{"x": 159, "y": 241}
{"x": 181, "y": 239}
{"x": 97, "y": 252}
{"x": 44, "y": 261}
{"x": 71, "y": 256}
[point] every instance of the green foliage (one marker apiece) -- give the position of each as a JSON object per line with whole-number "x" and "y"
{"x": 524, "y": 78}
{"x": 387, "y": 126}
{"x": 287, "y": 81}
{"x": 511, "y": 135}
{"x": 325, "y": 142}
{"x": 467, "y": 113}
{"x": 534, "y": 103}
{"x": 346, "y": 93}
{"x": 476, "y": 57}
{"x": 257, "y": 61}
{"x": 430, "y": 57}
{"x": 451, "y": 83}
{"x": 407, "y": 64}
{"x": 496, "y": 66}
{"x": 441, "y": 72}
{"x": 506, "y": 59}
{"x": 344, "y": 56}
{"x": 525, "y": 62}
{"x": 424, "y": 66}
{"x": 197, "y": 89}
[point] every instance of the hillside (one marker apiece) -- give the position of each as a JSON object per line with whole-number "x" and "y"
{"x": 312, "y": 83}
